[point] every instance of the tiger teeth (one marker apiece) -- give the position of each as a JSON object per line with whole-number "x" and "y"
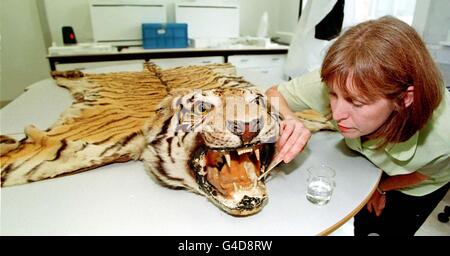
{"x": 257, "y": 154}
{"x": 241, "y": 151}
{"x": 203, "y": 172}
{"x": 228, "y": 158}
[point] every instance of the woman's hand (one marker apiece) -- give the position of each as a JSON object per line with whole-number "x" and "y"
{"x": 293, "y": 138}
{"x": 293, "y": 135}
{"x": 376, "y": 203}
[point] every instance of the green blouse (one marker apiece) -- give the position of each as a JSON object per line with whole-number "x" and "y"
{"x": 427, "y": 151}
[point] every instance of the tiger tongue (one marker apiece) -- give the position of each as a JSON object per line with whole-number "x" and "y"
{"x": 230, "y": 178}
{"x": 236, "y": 171}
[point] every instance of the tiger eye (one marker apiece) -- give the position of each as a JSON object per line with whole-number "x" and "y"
{"x": 259, "y": 101}
{"x": 203, "y": 107}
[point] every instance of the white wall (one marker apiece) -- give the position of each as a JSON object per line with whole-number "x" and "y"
{"x": 438, "y": 21}
{"x": 421, "y": 15}
{"x": 251, "y": 12}
{"x": 288, "y": 15}
{"x": 437, "y": 30}
{"x": 287, "y": 19}
{"x": 23, "y": 54}
{"x": 69, "y": 13}
{"x": 76, "y": 14}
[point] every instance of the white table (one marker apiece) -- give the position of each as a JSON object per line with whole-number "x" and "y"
{"x": 121, "y": 199}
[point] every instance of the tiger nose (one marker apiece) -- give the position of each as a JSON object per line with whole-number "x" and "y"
{"x": 246, "y": 131}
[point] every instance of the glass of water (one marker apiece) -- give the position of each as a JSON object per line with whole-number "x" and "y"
{"x": 320, "y": 184}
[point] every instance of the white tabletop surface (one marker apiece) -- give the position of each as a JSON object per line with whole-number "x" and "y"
{"x": 121, "y": 199}
{"x": 84, "y": 49}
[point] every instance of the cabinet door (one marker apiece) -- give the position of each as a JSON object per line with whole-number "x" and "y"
{"x": 103, "y": 66}
{"x": 267, "y": 69}
{"x": 264, "y": 78}
{"x": 137, "y": 65}
{"x": 257, "y": 61}
{"x": 177, "y": 62}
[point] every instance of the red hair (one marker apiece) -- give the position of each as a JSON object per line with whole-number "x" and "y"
{"x": 383, "y": 58}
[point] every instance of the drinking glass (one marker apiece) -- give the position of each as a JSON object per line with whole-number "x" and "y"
{"x": 320, "y": 184}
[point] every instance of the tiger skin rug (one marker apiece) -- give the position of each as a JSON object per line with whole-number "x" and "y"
{"x": 187, "y": 125}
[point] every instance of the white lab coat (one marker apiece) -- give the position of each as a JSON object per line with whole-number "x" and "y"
{"x": 306, "y": 53}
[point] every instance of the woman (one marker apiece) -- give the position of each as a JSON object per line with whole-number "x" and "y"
{"x": 388, "y": 101}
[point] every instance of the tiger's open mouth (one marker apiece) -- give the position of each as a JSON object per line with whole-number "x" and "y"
{"x": 230, "y": 175}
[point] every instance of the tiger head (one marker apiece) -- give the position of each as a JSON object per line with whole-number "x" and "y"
{"x": 216, "y": 143}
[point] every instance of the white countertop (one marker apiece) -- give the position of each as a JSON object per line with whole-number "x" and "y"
{"x": 85, "y": 50}
{"x": 121, "y": 199}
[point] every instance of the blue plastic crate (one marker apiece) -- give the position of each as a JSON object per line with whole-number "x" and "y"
{"x": 164, "y": 35}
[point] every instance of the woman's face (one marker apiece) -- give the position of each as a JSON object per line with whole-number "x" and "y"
{"x": 356, "y": 118}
